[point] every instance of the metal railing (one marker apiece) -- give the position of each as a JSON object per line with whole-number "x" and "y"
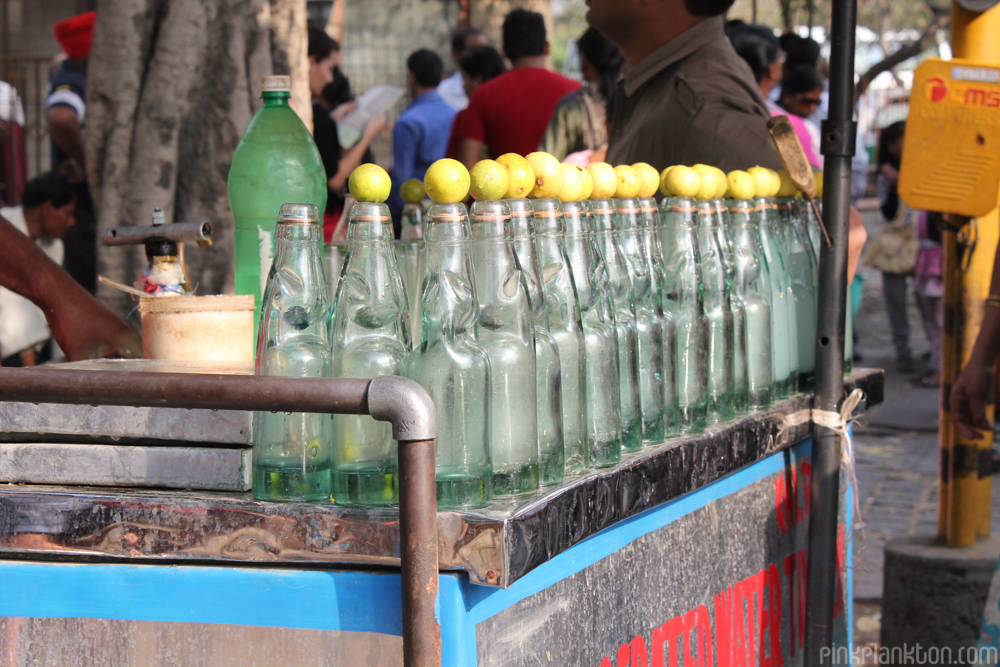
{"x": 398, "y": 400}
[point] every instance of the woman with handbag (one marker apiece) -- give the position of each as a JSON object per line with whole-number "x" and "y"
{"x": 894, "y": 251}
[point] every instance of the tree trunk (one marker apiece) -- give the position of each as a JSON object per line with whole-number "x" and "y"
{"x": 289, "y": 46}
{"x": 171, "y": 88}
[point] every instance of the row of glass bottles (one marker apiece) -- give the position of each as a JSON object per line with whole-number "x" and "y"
{"x": 552, "y": 337}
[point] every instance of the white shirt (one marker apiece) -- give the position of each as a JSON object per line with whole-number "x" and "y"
{"x": 11, "y": 108}
{"x": 452, "y": 91}
{"x": 22, "y": 323}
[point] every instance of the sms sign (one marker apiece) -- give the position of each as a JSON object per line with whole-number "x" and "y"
{"x": 951, "y": 153}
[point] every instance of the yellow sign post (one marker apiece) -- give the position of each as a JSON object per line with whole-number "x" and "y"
{"x": 951, "y": 163}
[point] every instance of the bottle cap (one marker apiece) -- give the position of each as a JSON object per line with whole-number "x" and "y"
{"x": 299, "y": 214}
{"x": 279, "y": 84}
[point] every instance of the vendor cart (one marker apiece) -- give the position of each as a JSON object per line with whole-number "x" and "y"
{"x": 692, "y": 552}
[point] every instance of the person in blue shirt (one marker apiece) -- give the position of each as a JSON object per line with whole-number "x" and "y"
{"x": 420, "y": 136}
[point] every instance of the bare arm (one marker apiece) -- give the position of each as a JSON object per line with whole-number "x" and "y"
{"x": 64, "y": 125}
{"x": 351, "y": 158}
{"x": 470, "y": 151}
{"x": 856, "y": 237}
{"x": 82, "y": 325}
{"x": 971, "y": 389}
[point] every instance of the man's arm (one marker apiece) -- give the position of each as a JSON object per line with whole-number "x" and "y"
{"x": 83, "y": 327}
{"x": 470, "y": 151}
{"x": 64, "y": 125}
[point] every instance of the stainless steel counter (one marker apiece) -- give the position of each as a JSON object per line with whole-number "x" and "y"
{"x": 495, "y": 546}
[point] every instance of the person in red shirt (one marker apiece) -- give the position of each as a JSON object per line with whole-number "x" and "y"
{"x": 509, "y": 114}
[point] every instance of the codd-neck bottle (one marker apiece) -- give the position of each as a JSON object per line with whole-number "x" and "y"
{"x": 718, "y": 317}
{"x": 753, "y": 286}
{"x": 548, "y": 374}
{"x": 682, "y": 297}
{"x": 371, "y": 338}
{"x": 601, "y": 384}
{"x": 784, "y": 349}
{"x": 412, "y": 221}
{"x": 291, "y": 451}
{"x": 602, "y": 227}
{"x": 563, "y": 309}
{"x": 450, "y": 363}
{"x": 649, "y": 327}
{"x": 505, "y": 331}
{"x": 741, "y": 386}
{"x": 649, "y": 223}
{"x": 410, "y": 257}
{"x": 800, "y": 262}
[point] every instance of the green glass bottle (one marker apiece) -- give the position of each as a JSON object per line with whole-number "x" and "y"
{"x": 451, "y": 364}
{"x": 291, "y": 457}
{"x": 801, "y": 269}
{"x": 562, "y": 305}
{"x": 275, "y": 162}
{"x": 505, "y": 330}
{"x": 784, "y": 338}
{"x": 649, "y": 223}
{"x": 371, "y": 338}
{"x": 590, "y": 278}
{"x": 741, "y": 381}
{"x": 682, "y": 297}
{"x": 602, "y": 228}
{"x": 548, "y": 372}
{"x": 753, "y": 287}
{"x": 649, "y": 326}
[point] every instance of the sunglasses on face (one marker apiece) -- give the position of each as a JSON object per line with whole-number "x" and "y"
{"x": 811, "y": 101}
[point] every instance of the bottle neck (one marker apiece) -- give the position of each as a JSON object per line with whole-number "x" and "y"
{"x": 276, "y": 98}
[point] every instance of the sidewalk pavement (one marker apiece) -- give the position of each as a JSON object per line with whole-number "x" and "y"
{"x": 896, "y": 446}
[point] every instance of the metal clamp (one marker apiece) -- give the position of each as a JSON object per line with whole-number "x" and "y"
{"x": 839, "y": 138}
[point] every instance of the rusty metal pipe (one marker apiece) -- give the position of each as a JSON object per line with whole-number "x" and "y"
{"x": 400, "y": 401}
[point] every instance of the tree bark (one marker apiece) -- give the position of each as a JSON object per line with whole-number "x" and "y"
{"x": 171, "y": 88}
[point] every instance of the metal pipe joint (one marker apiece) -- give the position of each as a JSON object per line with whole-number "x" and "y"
{"x": 405, "y": 404}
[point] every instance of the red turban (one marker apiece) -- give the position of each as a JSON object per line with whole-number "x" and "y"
{"x": 75, "y": 34}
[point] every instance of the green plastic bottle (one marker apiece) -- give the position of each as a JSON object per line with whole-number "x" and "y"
{"x": 276, "y": 162}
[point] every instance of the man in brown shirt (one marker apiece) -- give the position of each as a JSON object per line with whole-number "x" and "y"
{"x": 687, "y": 97}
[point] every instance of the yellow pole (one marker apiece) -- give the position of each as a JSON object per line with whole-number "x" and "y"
{"x": 965, "y": 493}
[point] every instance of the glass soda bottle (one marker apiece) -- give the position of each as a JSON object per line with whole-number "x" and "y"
{"x": 291, "y": 450}
{"x": 371, "y": 338}
{"x": 601, "y": 384}
{"x": 753, "y": 287}
{"x": 799, "y": 257}
{"x": 649, "y": 327}
{"x": 784, "y": 343}
{"x": 649, "y": 223}
{"x": 682, "y": 297}
{"x": 602, "y": 227}
{"x": 413, "y": 221}
{"x": 563, "y": 310}
{"x": 275, "y": 162}
{"x": 451, "y": 364}
{"x": 548, "y": 374}
{"x": 741, "y": 385}
{"x": 719, "y": 329}
{"x": 506, "y": 332}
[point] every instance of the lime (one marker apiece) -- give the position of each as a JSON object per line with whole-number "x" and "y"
{"x": 604, "y": 178}
{"x": 548, "y": 175}
{"x": 587, "y": 183}
{"x": 627, "y": 182}
{"x": 722, "y": 183}
{"x": 369, "y": 183}
{"x": 649, "y": 179}
{"x": 447, "y": 181}
{"x": 818, "y": 182}
{"x": 681, "y": 181}
{"x": 412, "y": 191}
{"x": 741, "y": 185}
{"x": 520, "y": 175}
{"x": 709, "y": 181}
{"x": 489, "y": 180}
{"x": 786, "y": 188}
{"x": 775, "y": 183}
{"x": 664, "y": 176}
{"x": 762, "y": 179}
{"x": 572, "y": 183}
